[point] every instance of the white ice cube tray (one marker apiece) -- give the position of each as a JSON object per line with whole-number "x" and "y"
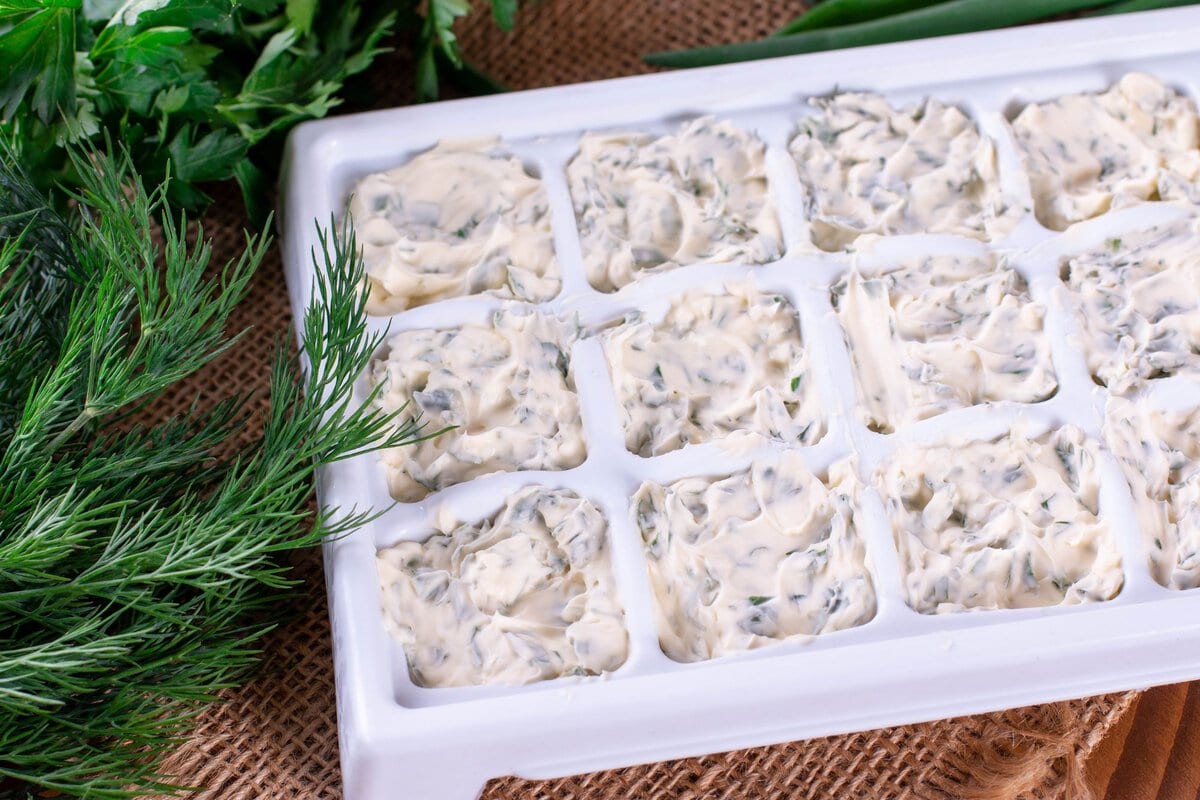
{"x": 399, "y": 740}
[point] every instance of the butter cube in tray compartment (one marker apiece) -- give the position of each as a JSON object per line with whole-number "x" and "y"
{"x": 715, "y": 366}
{"x": 752, "y": 559}
{"x": 1010, "y": 523}
{"x": 648, "y": 204}
{"x": 1137, "y": 305}
{"x": 870, "y": 168}
{"x": 941, "y": 333}
{"x": 462, "y": 218}
{"x": 503, "y": 391}
{"x": 1159, "y": 453}
{"x": 1089, "y": 153}
{"x": 524, "y": 595}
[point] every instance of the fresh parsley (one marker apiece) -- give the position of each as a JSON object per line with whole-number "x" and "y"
{"x": 201, "y": 90}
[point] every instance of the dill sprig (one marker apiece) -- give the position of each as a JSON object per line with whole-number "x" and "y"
{"x": 139, "y": 562}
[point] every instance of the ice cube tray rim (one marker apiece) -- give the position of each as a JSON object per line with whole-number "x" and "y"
{"x": 386, "y": 747}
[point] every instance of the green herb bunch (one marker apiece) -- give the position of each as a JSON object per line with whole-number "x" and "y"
{"x": 139, "y": 563}
{"x": 201, "y": 89}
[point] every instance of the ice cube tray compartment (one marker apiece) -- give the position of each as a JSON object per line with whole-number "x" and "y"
{"x": 402, "y": 740}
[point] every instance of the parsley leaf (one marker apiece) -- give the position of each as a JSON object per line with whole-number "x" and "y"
{"x": 504, "y": 12}
{"x": 210, "y": 157}
{"x": 38, "y": 51}
{"x": 203, "y": 90}
{"x": 300, "y": 13}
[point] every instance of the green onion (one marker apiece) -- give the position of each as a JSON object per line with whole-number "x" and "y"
{"x": 944, "y": 19}
{"x": 1140, "y": 5}
{"x": 833, "y": 13}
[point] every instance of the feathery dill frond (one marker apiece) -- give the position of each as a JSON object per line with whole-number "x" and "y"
{"x": 138, "y": 564}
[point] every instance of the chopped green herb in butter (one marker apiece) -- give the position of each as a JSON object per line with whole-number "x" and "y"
{"x": 522, "y": 596}
{"x": 459, "y": 219}
{"x": 1087, "y": 153}
{"x": 1138, "y": 306}
{"x": 715, "y": 365}
{"x": 648, "y": 204}
{"x": 1005, "y": 524}
{"x": 1159, "y": 453}
{"x": 506, "y": 388}
{"x": 754, "y": 558}
{"x": 940, "y": 334}
{"x": 869, "y": 168}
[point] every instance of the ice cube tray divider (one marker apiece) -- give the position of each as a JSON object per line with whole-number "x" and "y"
{"x": 401, "y": 740}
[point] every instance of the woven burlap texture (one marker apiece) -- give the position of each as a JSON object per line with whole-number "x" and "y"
{"x": 277, "y": 737}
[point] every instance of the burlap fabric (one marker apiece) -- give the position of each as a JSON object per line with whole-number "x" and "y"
{"x": 277, "y": 737}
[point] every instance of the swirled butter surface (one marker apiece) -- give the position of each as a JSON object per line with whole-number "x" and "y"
{"x": 942, "y": 333}
{"x": 754, "y": 558}
{"x": 869, "y": 168}
{"x": 715, "y": 365}
{"x": 1137, "y": 304}
{"x": 647, "y": 204}
{"x": 1087, "y": 153}
{"x": 1010, "y": 523}
{"x": 462, "y": 218}
{"x": 1159, "y": 453}
{"x": 505, "y": 391}
{"x": 522, "y": 596}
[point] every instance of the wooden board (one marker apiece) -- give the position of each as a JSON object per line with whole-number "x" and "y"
{"x": 1153, "y": 753}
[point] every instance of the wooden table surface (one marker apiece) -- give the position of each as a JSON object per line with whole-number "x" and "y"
{"x": 1153, "y": 753}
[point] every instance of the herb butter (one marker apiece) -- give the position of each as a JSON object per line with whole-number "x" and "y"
{"x": 754, "y": 558}
{"x": 504, "y": 389}
{"x": 1159, "y": 453}
{"x": 1010, "y": 523}
{"x": 869, "y": 168}
{"x": 1137, "y": 304}
{"x": 648, "y": 204}
{"x": 942, "y": 333}
{"x": 525, "y": 595}
{"x": 1087, "y": 153}
{"x": 459, "y": 219}
{"x": 714, "y": 366}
